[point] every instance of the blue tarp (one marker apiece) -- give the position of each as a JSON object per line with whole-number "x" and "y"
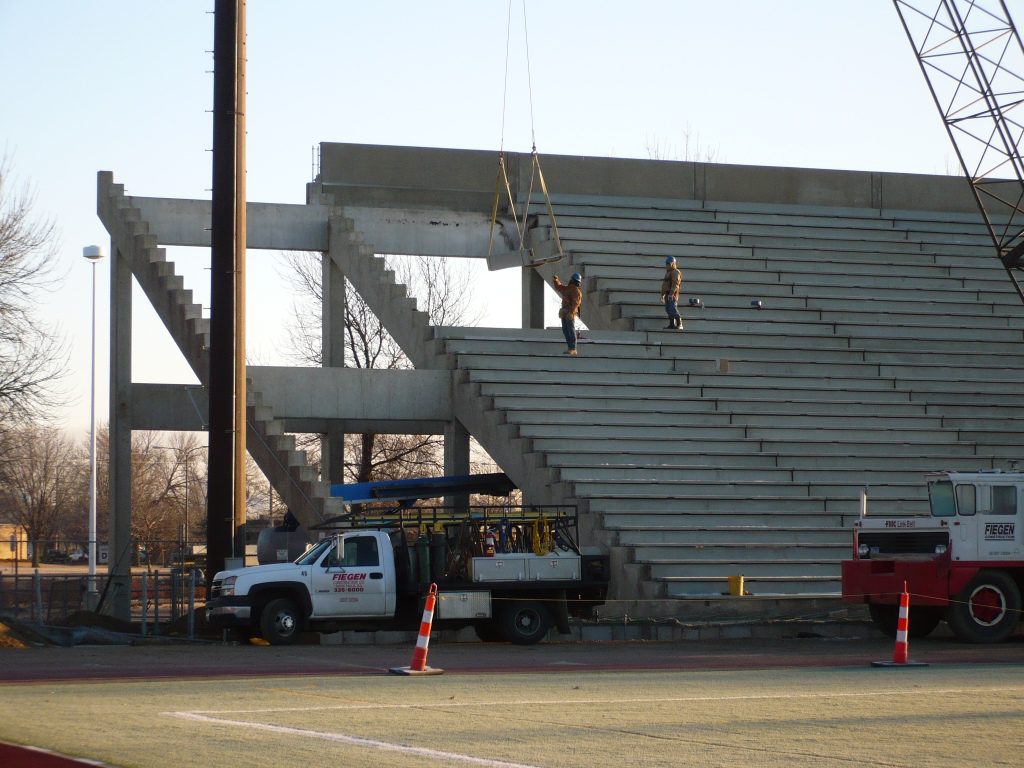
{"x": 495, "y": 484}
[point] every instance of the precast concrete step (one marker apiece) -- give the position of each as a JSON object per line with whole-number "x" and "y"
{"x": 639, "y": 306}
{"x": 763, "y": 586}
{"x": 597, "y": 456}
{"x": 674, "y": 474}
{"x": 675, "y": 420}
{"x": 736, "y": 487}
{"x": 561, "y": 362}
{"x": 660, "y": 570}
{"x": 630, "y": 524}
{"x": 728, "y": 534}
{"x": 740, "y": 554}
{"x": 616, "y": 432}
{"x": 756, "y": 401}
{"x": 637, "y": 302}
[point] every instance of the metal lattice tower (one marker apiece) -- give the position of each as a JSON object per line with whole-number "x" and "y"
{"x": 972, "y": 58}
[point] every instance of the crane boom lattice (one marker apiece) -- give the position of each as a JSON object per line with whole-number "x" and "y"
{"x": 971, "y": 56}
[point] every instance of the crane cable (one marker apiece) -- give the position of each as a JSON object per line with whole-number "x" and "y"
{"x": 535, "y": 171}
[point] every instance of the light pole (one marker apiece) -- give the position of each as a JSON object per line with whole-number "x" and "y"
{"x": 92, "y": 253}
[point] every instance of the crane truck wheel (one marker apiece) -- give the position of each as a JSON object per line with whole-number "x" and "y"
{"x": 921, "y": 621}
{"x": 280, "y": 621}
{"x": 525, "y": 623}
{"x": 988, "y": 609}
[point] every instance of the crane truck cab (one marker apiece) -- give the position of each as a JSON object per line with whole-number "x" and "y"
{"x": 962, "y": 564}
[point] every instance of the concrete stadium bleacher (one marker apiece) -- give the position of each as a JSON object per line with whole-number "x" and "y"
{"x": 887, "y": 346}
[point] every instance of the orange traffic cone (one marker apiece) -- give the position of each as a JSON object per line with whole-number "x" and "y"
{"x": 419, "y": 654}
{"x": 899, "y": 652}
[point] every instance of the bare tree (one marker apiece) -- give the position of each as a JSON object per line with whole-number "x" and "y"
{"x": 444, "y": 292}
{"x": 41, "y": 483}
{"x": 33, "y": 357}
{"x": 692, "y": 150}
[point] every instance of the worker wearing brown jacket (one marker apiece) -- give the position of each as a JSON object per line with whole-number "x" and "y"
{"x": 572, "y": 297}
{"x": 670, "y": 286}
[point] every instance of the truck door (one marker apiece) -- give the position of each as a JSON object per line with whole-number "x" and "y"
{"x": 350, "y": 580}
{"x": 999, "y": 530}
{"x": 964, "y": 527}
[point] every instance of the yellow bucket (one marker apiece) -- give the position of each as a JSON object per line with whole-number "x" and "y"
{"x": 736, "y": 586}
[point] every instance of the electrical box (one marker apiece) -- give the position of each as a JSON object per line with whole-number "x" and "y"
{"x": 464, "y": 605}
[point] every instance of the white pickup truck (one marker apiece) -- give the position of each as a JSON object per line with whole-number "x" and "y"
{"x": 511, "y": 579}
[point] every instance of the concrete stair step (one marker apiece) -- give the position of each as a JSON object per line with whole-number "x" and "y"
{"x": 660, "y": 570}
{"x": 739, "y": 554}
{"x": 728, "y": 534}
{"x": 689, "y": 587}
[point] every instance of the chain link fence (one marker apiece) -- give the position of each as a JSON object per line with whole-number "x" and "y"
{"x": 58, "y": 589}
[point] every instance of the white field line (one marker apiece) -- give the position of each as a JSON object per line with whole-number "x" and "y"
{"x": 341, "y": 738}
{"x": 646, "y": 700}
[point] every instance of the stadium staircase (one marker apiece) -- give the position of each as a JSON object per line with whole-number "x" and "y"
{"x": 274, "y": 451}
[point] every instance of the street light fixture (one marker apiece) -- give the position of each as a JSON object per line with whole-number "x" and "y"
{"x": 93, "y": 254}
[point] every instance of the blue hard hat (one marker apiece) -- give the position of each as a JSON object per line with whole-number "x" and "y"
{"x": 576, "y": 278}
{"x": 670, "y": 260}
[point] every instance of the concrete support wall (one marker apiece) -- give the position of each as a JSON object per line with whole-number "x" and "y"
{"x": 120, "y": 435}
{"x": 333, "y": 307}
{"x": 456, "y": 459}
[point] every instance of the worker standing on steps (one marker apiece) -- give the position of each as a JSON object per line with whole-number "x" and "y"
{"x": 670, "y": 286}
{"x": 572, "y": 297}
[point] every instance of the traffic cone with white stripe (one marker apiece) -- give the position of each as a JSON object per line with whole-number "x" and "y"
{"x": 899, "y": 652}
{"x": 419, "y": 654}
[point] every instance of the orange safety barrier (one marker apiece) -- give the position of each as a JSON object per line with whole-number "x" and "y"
{"x": 419, "y": 654}
{"x": 900, "y": 650}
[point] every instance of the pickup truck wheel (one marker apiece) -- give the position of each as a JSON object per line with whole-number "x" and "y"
{"x": 921, "y": 621}
{"x": 280, "y": 621}
{"x": 988, "y": 609}
{"x": 525, "y": 623}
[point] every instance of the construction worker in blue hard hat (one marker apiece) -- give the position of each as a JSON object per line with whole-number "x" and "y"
{"x": 670, "y": 286}
{"x": 572, "y": 297}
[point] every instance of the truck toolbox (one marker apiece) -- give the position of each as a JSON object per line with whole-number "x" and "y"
{"x": 464, "y": 605}
{"x": 510, "y": 567}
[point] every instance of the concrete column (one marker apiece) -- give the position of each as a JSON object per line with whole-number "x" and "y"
{"x": 119, "y": 494}
{"x": 332, "y": 444}
{"x": 533, "y": 299}
{"x": 456, "y": 460}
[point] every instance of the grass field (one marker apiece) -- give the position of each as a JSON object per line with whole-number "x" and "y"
{"x": 935, "y": 716}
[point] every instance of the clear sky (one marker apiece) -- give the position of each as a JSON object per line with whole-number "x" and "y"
{"x": 126, "y": 86}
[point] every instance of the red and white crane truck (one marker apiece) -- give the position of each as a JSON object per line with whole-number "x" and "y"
{"x": 510, "y": 573}
{"x": 963, "y": 564}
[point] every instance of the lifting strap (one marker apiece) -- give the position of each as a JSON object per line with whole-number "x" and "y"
{"x": 524, "y": 257}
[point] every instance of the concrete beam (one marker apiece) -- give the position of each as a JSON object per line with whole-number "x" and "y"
{"x": 430, "y": 232}
{"x": 354, "y": 393}
{"x": 170, "y": 407}
{"x": 269, "y": 226}
{"x": 306, "y": 399}
{"x": 363, "y": 174}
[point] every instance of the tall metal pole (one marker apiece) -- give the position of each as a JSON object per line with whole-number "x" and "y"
{"x": 93, "y": 253}
{"x": 238, "y": 537}
{"x": 220, "y": 495}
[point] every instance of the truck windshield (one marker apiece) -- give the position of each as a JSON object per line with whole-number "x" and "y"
{"x": 940, "y": 496}
{"x": 312, "y": 555}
